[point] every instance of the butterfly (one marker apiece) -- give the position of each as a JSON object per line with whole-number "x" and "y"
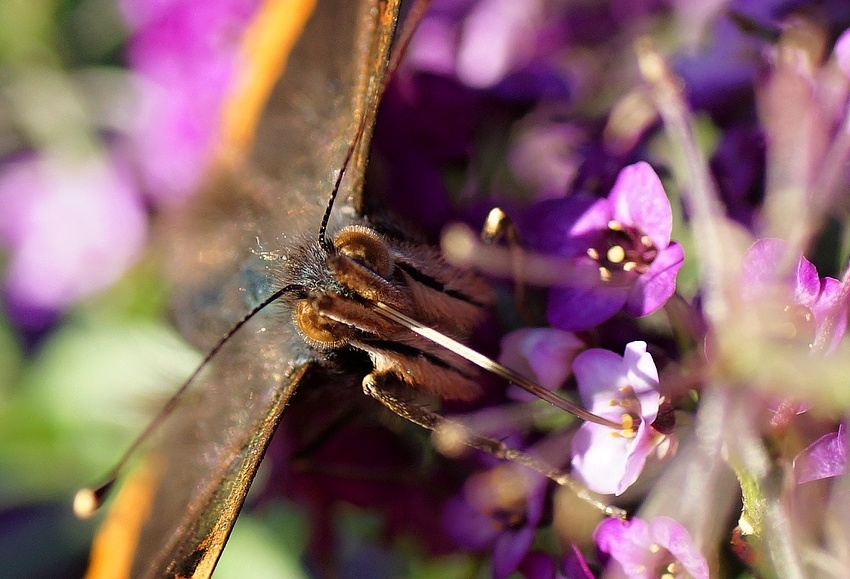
{"x": 173, "y": 516}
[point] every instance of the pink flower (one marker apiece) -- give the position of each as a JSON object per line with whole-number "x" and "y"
{"x": 542, "y": 354}
{"x": 660, "y": 548}
{"x": 624, "y": 390}
{"x": 813, "y": 305}
{"x": 72, "y": 227}
{"x": 186, "y": 54}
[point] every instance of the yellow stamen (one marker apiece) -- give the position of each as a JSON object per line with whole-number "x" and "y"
{"x": 615, "y": 225}
{"x": 604, "y": 274}
{"x": 616, "y": 254}
{"x": 593, "y": 254}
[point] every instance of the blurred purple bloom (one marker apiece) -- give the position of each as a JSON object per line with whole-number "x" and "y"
{"x": 660, "y": 548}
{"x": 842, "y": 52}
{"x": 623, "y": 242}
{"x": 542, "y": 354}
{"x": 497, "y": 512}
{"x": 539, "y": 565}
{"x": 813, "y": 304}
{"x": 738, "y": 166}
{"x": 545, "y": 157}
{"x": 186, "y": 54}
{"x": 72, "y": 227}
{"x": 824, "y": 458}
{"x": 719, "y": 77}
{"x": 624, "y": 390}
{"x": 489, "y": 44}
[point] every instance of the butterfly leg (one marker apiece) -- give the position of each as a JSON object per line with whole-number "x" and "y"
{"x": 447, "y": 427}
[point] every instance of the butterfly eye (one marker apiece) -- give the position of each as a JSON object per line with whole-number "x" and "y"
{"x": 366, "y": 247}
{"x": 318, "y": 330}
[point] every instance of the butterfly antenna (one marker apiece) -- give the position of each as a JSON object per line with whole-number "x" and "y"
{"x": 417, "y": 10}
{"x": 89, "y": 499}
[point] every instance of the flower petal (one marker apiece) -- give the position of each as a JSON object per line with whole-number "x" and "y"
{"x": 599, "y": 458}
{"x": 671, "y": 535}
{"x": 638, "y": 199}
{"x": 510, "y": 549}
{"x": 600, "y": 374}
{"x": 543, "y": 354}
{"x": 652, "y": 289}
{"x": 824, "y": 458}
{"x": 583, "y": 308}
{"x": 566, "y": 226}
{"x": 842, "y": 52}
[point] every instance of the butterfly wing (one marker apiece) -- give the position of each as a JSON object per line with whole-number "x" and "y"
{"x": 174, "y": 515}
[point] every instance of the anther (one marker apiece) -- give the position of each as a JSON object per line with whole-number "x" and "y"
{"x": 616, "y": 254}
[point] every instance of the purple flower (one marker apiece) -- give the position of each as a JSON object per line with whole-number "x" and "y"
{"x": 499, "y": 510}
{"x": 542, "y": 354}
{"x": 660, "y": 548}
{"x": 624, "y": 390}
{"x": 812, "y": 310}
{"x": 72, "y": 226}
{"x": 186, "y": 55}
{"x": 623, "y": 242}
{"x": 824, "y": 458}
{"x": 499, "y": 45}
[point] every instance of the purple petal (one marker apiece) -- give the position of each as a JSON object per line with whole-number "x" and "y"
{"x": 599, "y": 458}
{"x": 638, "y": 450}
{"x": 830, "y": 313}
{"x": 575, "y": 565}
{"x": 498, "y": 37}
{"x": 824, "y": 458}
{"x": 72, "y": 226}
{"x": 537, "y": 565}
{"x": 433, "y": 47}
{"x": 642, "y": 376}
{"x": 759, "y": 266}
{"x": 842, "y": 52}
{"x": 543, "y": 354}
{"x": 675, "y": 538}
{"x": 186, "y": 55}
{"x": 510, "y": 549}
{"x": 639, "y": 200}
{"x": 628, "y": 543}
{"x": 600, "y": 374}
{"x": 652, "y": 289}
{"x": 567, "y": 226}
{"x": 469, "y": 529}
{"x": 583, "y": 308}
{"x": 807, "y": 284}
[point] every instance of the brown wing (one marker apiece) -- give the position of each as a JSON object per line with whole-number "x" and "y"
{"x": 183, "y": 501}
